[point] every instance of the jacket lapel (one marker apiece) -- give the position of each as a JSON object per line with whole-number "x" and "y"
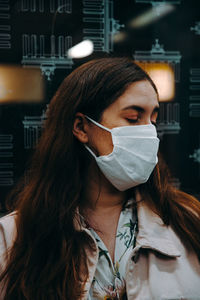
{"x": 153, "y": 233}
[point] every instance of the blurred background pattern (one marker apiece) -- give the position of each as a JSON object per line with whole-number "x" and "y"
{"x": 41, "y": 42}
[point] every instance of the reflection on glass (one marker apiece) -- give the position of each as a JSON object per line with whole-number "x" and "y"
{"x": 19, "y": 84}
{"x": 163, "y": 76}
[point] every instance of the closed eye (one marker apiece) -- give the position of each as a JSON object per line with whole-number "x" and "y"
{"x": 132, "y": 120}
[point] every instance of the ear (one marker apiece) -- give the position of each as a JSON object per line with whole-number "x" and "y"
{"x": 80, "y": 128}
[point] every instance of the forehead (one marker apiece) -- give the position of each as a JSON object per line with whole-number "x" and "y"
{"x": 139, "y": 93}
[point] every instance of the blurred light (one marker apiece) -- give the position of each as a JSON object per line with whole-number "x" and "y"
{"x": 151, "y": 15}
{"x": 19, "y": 84}
{"x": 162, "y": 75}
{"x": 82, "y": 49}
{"x": 119, "y": 37}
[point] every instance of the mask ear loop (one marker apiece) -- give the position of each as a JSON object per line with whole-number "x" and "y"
{"x": 89, "y": 150}
{"x": 98, "y": 124}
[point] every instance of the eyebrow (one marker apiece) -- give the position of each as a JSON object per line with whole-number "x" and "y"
{"x": 139, "y": 108}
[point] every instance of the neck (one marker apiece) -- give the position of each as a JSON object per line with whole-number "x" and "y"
{"x": 100, "y": 194}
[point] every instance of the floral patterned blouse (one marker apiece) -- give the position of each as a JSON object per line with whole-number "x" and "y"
{"x": 108, "y": 282}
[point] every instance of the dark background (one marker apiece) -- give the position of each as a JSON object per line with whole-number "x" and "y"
{"x": 178, "y": 30}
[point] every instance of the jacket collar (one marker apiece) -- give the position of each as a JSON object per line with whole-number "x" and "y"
{"x": 153, "y": 233}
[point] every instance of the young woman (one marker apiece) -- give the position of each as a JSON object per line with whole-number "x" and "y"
{"x": 98, "y": 218}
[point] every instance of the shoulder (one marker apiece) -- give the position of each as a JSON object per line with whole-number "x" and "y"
{"x": 7, "y": 231}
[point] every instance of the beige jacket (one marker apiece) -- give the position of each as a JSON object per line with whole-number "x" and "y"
{"x": 160, "y": 267}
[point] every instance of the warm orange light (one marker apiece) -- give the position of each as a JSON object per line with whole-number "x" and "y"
{"x": 19, "y": 84}
{"x": 162, "y": 75}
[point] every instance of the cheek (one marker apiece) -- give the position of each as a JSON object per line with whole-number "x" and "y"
{"x": 101, "y": 142}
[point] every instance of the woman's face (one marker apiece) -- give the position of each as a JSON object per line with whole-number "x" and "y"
{"x": 138, "y": 105}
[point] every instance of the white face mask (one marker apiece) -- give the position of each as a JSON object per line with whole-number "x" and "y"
{"x": 134, "y": 155}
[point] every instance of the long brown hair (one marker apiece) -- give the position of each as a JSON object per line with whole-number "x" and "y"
{"x": 49, "y": 252}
